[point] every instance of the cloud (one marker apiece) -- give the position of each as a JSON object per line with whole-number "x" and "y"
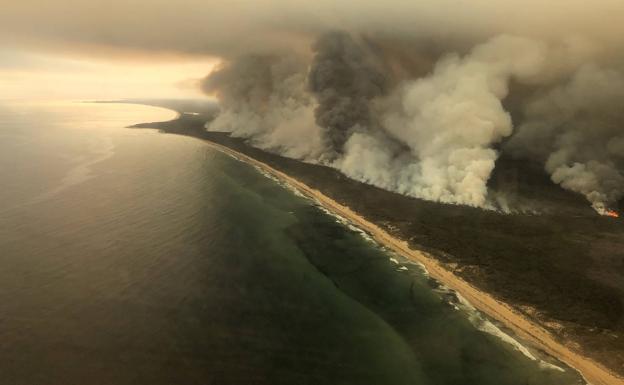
{"x": 232, "y": 28}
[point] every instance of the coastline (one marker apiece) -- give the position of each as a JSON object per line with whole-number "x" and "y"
{"x": 593, "y": 372}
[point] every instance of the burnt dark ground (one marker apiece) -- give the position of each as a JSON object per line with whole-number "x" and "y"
{"x": 563, "y": 267}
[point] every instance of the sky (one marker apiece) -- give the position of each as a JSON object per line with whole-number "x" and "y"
{"x": 160, "y": 48}
{"x": 416, "y": 96}
{"x": 33, "y": 75}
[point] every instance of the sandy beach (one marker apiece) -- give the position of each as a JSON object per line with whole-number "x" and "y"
{"x": 593, "y": 372}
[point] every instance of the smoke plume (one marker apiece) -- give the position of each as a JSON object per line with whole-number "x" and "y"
{"x": 575, "y": 128}
{"x": 436, "y": 136}
{"x": 264, "y": 99}
{"x": 344, "y": 77}
{"x": 419, "y": 97}
{"x": 451, "y": 119}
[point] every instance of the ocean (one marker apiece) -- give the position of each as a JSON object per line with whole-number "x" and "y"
{"x": 128, "y": 256}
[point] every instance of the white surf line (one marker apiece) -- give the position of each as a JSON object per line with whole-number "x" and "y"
{"x": 592, "y": 372}
{"x": 472, "y": 314}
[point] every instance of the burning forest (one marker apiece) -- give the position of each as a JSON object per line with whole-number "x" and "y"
{"x": 432, "y": 125}
{"x": 421, "y": 98}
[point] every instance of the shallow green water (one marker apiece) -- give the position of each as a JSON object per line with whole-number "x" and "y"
{"x": 133, "y": 257}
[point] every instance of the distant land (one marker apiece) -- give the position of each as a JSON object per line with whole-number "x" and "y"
{"x": 557, "y": 263}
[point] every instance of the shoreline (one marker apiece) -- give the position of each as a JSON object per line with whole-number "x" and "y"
{"x": 593, "y": 372}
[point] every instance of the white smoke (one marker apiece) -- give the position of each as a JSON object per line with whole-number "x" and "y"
{"x": 449, "y": 122}
{"x": 576, "y": 128}
{"x": 436, "y": 136}
{"x": 264, "y": 99}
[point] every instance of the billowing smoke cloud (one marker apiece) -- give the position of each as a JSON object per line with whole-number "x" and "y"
{"x": 576, "y": 130}
{"x": 344, "y": 77}
{"x": 283, "y": 106}
{"x": 436, "y": 136}
{"x": 264, "y": 98}
{"x": 228, "y": 29}
{"x": 412, "y": 98}
{"x": 450, "y": 120}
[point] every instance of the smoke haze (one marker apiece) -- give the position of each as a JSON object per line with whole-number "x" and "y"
{"x": 437, "y": 135}
{"x": 417, "y": 97}
{"x": 575, "y": 128}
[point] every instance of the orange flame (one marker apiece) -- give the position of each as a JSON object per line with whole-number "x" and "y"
{"x": 611, "y": 213}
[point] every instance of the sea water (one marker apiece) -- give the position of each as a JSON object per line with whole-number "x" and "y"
{"x": 133, "y": 257}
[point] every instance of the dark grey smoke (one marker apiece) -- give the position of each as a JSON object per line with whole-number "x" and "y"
{"x": 433, "y": 136}
{"x": 344, "y": 77}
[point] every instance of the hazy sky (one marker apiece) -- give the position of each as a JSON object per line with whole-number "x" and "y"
{"x": 29, "y": 74}
{"x": 118, "y": 48}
